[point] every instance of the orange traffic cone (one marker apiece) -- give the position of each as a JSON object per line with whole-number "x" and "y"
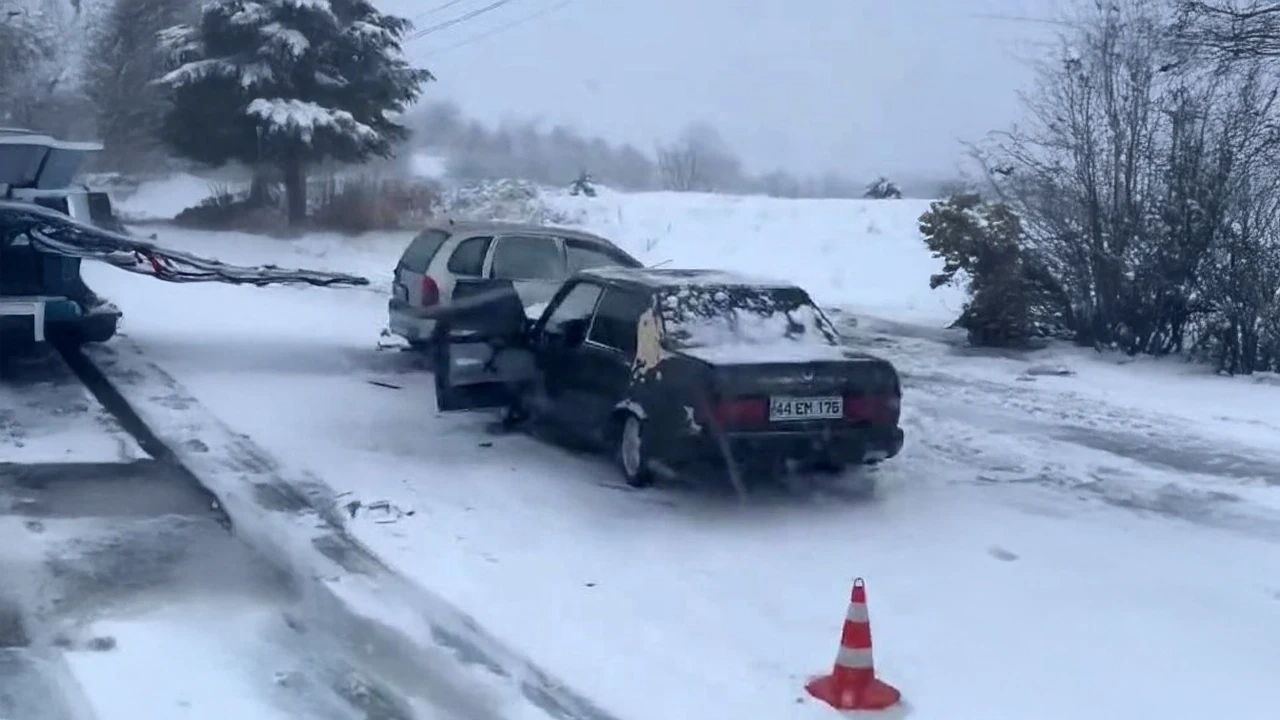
{"x": 852, "y": 684}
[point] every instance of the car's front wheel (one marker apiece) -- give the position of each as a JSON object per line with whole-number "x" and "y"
{"x": 631, "y": 452}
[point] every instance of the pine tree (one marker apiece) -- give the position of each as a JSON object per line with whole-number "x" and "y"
{"x": 28, "y": 49}
{"x": 289, "y": 83}
{"x": 122, "y": 60}
{"x": 883, "y": 189}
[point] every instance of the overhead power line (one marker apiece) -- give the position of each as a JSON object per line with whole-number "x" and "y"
{"x": 430, "y": 30}
{"x": 502, "y": 28}
{"x": 1021, "y": 19}
{"x": 433, "y": 10}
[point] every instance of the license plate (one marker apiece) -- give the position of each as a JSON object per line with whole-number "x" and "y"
{"x": 806, "y": 408}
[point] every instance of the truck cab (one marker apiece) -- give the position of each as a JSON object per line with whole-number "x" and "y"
{"x": 43, "y": 297}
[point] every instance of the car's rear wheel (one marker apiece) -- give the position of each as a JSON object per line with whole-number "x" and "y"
{"x": 631, "y": 452}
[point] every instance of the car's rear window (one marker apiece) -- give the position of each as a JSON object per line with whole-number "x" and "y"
{"x": 583, "y": 256}
{"x": 417, "y": 257}
{"x": 717, "y": 316}
{"x": 468, "y": 258}
{"x": 528, "y": 257}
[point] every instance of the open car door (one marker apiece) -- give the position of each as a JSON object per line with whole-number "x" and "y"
{"x": 483, "y": 356}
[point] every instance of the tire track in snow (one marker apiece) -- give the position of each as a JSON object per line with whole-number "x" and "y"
{"x": 442, "y": 657}
{"x": 1017, "y": 432}
{"x": 124, "y": 595}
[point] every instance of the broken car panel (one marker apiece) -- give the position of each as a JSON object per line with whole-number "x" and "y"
{"x": 682, "y": 367}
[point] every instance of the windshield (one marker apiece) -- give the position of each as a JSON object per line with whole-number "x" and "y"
{"x": 706, "y": 317}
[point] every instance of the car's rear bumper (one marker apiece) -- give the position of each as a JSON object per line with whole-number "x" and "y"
{"x": 22, "y": 321}
{"x": 31, "y": 320}
{"x": 852, "y": 446}
{"x": 408, "y": 323}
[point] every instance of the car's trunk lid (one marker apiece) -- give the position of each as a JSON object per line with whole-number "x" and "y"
{"x": 780, "y": 395}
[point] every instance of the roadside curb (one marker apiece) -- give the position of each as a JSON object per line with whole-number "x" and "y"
{"x": 302, "y": 520}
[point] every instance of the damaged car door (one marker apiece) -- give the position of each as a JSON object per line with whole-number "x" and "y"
{"x": 558, "y": 338}
{"x": 483, "y": 357}
{"x": 598, "y": 375}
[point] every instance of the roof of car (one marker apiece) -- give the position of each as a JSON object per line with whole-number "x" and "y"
{"x": 499, "y": 227}
{"x": 667, "y": 278}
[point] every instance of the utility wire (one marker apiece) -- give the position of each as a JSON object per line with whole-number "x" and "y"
{"x": 1020, "y": 19}
{"x": 436, "y": 9}
{"x": 501, "y": 28}
{"x": 457, "y": 21}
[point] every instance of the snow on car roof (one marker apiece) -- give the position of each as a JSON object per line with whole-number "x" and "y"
{"x": 670, "y": 278}
{"x": 501, "y": 226}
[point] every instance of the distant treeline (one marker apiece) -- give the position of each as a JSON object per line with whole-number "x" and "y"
{"x": 698, "y": 160}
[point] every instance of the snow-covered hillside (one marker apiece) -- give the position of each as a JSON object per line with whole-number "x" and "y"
{"x": 864, "y": 254}
{"x": 1063, "y": 536}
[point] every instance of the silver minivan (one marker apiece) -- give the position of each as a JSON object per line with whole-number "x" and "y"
{"x": 536, "y": 258}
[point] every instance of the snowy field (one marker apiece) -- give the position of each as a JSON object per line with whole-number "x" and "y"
{"x": 1065, "y": 535}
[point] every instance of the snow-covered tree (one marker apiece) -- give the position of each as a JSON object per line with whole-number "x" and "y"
{"x": 289, "y": 83}
{"x": 123, "y": 58}
{"x": 29, "y": 75}
{"x": 883, "y": 189}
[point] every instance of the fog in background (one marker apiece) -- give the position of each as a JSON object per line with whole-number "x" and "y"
{"x": 856, "y": 87}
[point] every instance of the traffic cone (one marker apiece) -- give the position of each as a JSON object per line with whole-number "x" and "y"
{"x": 852, "y": 684}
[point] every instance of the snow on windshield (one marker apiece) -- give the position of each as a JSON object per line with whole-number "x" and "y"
{"x": 710, "y": 317}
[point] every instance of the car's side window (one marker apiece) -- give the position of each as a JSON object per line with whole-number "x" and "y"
{"x": 616, "y": 319}
{"x": 581, "y": 256}
{"x": 577, "y": 304}
{"x": 528, "y": 257}
{"x": 417, "y": 257}
{"x": 468, "y": 258}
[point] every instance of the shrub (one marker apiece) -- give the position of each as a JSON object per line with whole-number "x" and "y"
{"x": 882, "y": 189}
{"x": 363, "y": 203}
{"x": 502, "y": 200}
{"x": 979, "y": 245}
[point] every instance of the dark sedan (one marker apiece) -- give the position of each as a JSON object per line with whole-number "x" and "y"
{"x": 672, "y": 370}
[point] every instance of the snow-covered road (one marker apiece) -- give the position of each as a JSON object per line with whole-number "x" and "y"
{"x": 124, "y": 596}
{"x": 1172, "y": 440}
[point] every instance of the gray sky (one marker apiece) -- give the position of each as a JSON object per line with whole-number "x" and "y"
{"x": 862, "y": 86}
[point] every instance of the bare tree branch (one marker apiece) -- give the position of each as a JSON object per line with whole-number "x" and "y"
{"x": 1230, "y": 30}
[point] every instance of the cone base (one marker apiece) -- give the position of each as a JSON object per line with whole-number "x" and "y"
{"x": 875, "y": 695}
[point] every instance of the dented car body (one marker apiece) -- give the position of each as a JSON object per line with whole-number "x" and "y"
{"x": 673, "y": 371}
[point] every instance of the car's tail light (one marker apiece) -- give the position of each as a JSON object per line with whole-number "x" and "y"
{"x": 858, "y": 408}
{"x": 741, "y": 413}
{"x": 890, "y": 409}
{"x": 880, "y": 408}
{"x": 430, "y": 291}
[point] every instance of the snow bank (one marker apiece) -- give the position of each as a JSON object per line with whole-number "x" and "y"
{"x": 163, "y": 199}
{"x": 866, "y": 255}
{"x": 863, "y": 255}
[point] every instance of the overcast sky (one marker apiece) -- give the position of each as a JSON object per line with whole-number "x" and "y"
{"x": 861, "y": 86}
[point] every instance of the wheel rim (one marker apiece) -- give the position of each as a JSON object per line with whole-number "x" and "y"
{"x": 630, "y": 447}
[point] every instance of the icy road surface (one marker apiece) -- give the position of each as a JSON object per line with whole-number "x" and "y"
{"x": 49, "y": 417}
{"x": 124, "y": 597}
{"x": 1064, "y": 536}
